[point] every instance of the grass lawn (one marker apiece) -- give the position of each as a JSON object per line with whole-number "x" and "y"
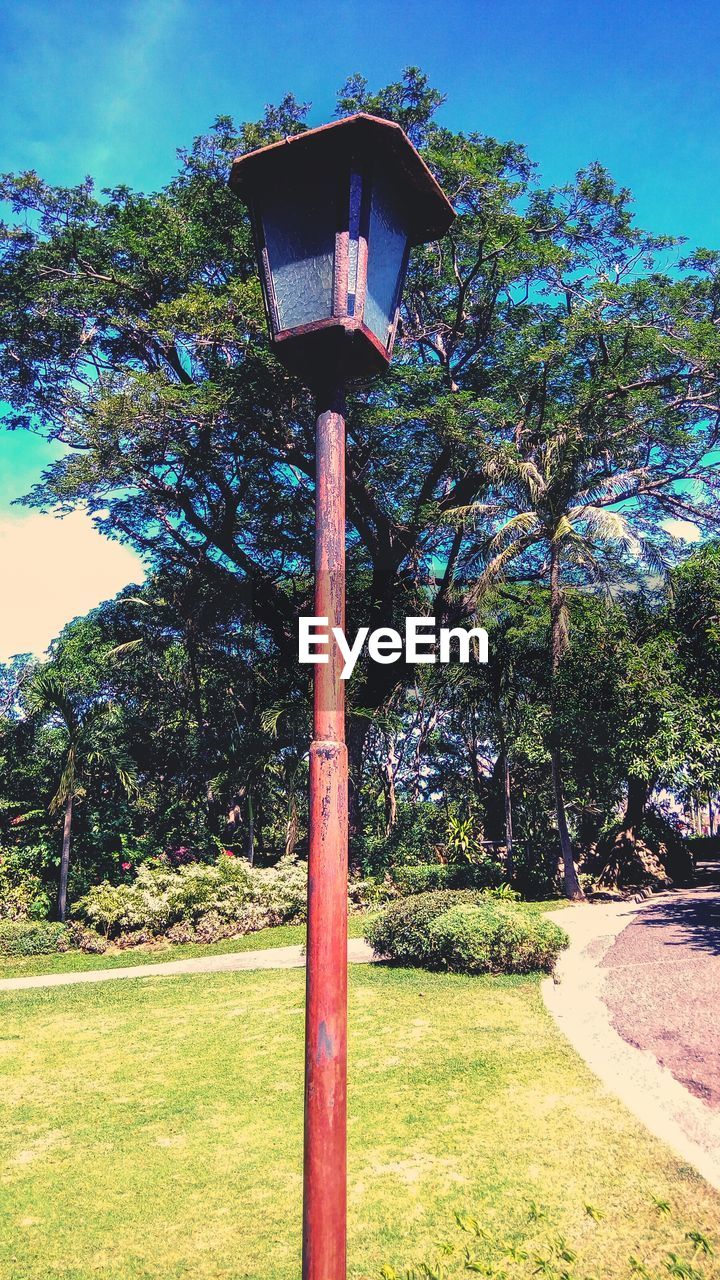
{"x": 285, "y": 935}
{"x": 152, "y": 1131}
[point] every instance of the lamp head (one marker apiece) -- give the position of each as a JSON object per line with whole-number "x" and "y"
{"x": 335, "y": 211}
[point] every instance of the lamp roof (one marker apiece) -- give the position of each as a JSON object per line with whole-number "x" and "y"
{"x": 360, "y": 136}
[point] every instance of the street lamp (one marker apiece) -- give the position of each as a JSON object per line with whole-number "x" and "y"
{"x": 335, "y": 212}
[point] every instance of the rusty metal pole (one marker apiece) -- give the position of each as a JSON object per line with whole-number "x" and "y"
{"x": 325, "y": 1174}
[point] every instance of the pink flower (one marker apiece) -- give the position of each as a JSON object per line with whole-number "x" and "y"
{"x": 228, "y": 853}
{"x": 126, "y": 865}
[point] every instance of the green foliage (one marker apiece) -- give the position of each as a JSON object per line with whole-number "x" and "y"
{"x": 368, "y": 895}
{"x": 402, "y": 931}
{"x": 548, "y": 402}
{"x": 495, "y": 937}
{"x": 228, "y": 891}
{"x": 466, "y": 932}
{"x": 419, "y": 828}
{"x": 460, "y": 839}
{"x": 536, "y": 865}
{"x": 33, "y": 937}
{"x": 22, "y": 895}
{"x": 483, "y": 874}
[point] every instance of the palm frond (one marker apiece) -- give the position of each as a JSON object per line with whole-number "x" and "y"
{"x": 126, "y": 647}
{"x": 518, "y": 526}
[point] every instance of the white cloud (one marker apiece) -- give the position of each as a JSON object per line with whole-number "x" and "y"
{"x": 684, "y": 530}
{"x": 51, "y": 571}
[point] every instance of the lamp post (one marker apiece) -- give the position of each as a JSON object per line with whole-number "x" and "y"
{"x": 335, "y": 212}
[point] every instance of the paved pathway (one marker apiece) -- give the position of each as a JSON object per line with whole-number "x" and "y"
{"x": 663, "y": 987}
{"x": 272, "y": 958}
{"x": 636, "y": 994}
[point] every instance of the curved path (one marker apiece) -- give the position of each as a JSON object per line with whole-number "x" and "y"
{"x": 663, "y": 987}
{"x": 272, "y": 958}
{"x": 637, "y": 996}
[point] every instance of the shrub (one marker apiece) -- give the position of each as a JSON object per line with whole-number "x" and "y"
{"x": 483, "y": 874}
{"x": 180, "y": 932}
{"x": 87, "y": 939}
{"x": 211, "y": 927}
{"x": 503, "y": 893}
{"x": 160, "y": 897}
{"x": 33, "y": 937}
{"x": 134, "y": 938}
{"x": 537, "y": 867}
{"x": 419, "y": 828}
{"x": 368, "y": 895}
{"x": 109, "y": 908}
{"x": 467, "y": 932}
{"x": 402, "y": 931}
{"x": 495, "y": 937}
{"x": 282, "y": 889}
{"x": 22, "y": 896}
{"x": 253, "y": 918}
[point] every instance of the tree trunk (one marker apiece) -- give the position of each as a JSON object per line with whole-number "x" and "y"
{"x": 201, "y": 721}
{"x": 65, "y": 857}
{"x": 637, "y": 798}
{"x": 388, "y": 776}
{"x": 571, "y": 884}
{"x": 624, "y": 858}
{"x": 509, "y": 861}
{"x": 425, "y": 728}
{"x": 558, "y": 620}
{"x": 472, "y": 748}
{"x": 493, "y": 811}
{"x": 356, "y": 734}
{"x": 291, "y": 827}
{"x": 251, "y": 828}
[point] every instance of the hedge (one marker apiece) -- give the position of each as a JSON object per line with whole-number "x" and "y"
{"x": 466, "y": 932}
{"x": 440, "y": 875}
{"x": 495, "y": 937}
{"x": 33, "y": 937}
{"x": 401, "y": 932}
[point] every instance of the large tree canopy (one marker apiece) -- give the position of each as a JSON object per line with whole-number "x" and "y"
{"x": 553, "y": 399}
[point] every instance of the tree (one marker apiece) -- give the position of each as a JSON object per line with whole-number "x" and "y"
{"x": 50, "y": 699}
{"x": 131, "y": 330}
{"x": 630, "y": 726}
{"x": 694, "y": 608}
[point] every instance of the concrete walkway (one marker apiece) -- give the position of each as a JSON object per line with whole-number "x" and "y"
{"x": 663, "y": 987}
{"x": 272, "y": 958}
{"x": 587, "y": 1001}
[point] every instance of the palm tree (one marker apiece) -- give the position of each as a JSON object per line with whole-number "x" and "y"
{"x": 559, "y": 513}
{"x": 50, "y": 699}
{"x": 183, "y": 608}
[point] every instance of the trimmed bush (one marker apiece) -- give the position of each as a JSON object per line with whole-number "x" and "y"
{"x": 33, "y": 937}
{"x": 495, "y": 937}
{"x": 466, "y": 932}
{"x": 402, "y": 932}
{"x": 425, "y": 878}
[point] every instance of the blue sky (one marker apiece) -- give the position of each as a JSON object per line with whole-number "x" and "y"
{"x": 112, "y": 89}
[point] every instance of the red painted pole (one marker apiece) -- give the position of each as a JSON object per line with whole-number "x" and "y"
{"x": 324, "y": 1206}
